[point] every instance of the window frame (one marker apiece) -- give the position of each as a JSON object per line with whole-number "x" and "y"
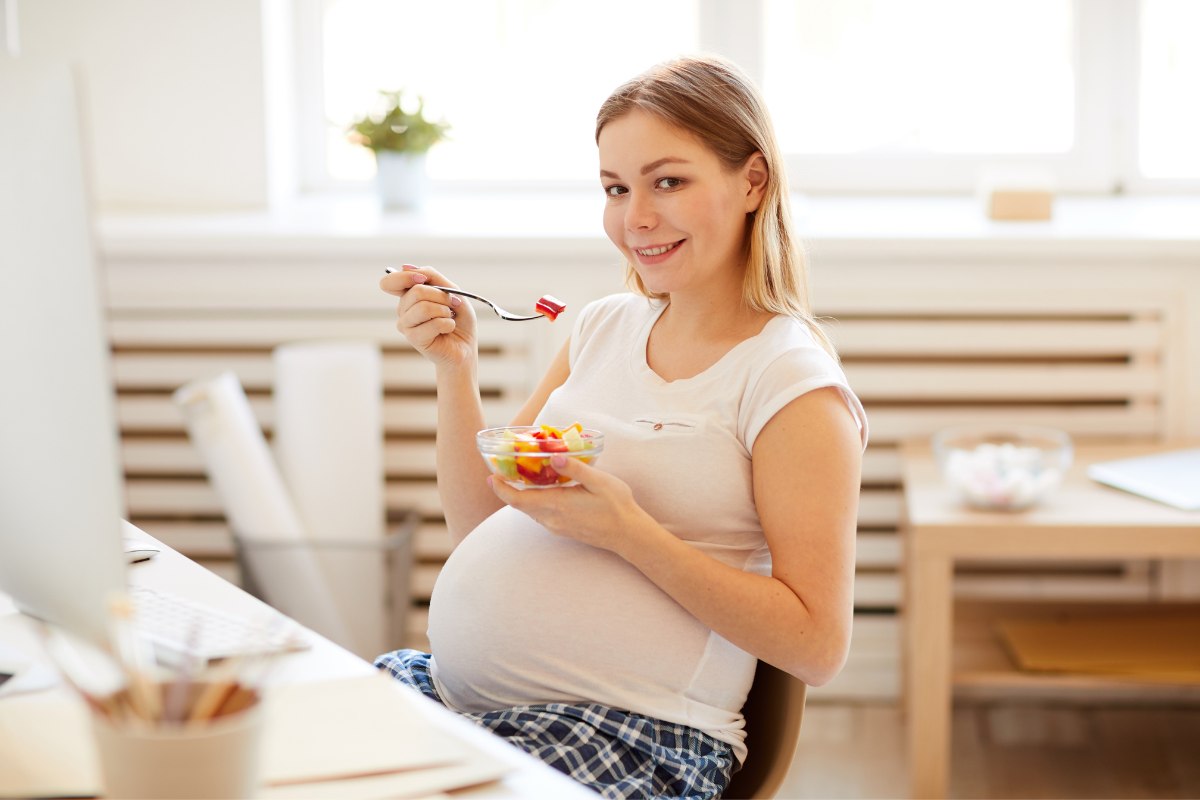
{"x": 1103, "y": 160}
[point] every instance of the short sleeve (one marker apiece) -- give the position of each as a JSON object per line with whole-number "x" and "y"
{"x": 793, "y": 373}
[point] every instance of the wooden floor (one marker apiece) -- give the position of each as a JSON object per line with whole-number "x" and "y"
{"x": 1006, "y": 750}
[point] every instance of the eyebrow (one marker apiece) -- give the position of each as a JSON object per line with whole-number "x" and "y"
{"x": 653, "y": 165}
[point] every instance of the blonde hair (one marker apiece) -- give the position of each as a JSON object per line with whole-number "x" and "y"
{"x": 714, "y": 100}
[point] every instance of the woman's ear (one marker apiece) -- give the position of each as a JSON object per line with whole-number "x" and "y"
{"x": 755, "y": 172}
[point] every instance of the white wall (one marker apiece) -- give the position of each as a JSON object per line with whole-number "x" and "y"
{"x": 173, "y": 97}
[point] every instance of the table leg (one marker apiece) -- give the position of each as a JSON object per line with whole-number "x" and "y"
{"x": 929, "y": 613}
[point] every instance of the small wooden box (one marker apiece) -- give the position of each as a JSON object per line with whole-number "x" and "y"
{"x": 1020, "y": 204}
{"x": 1016, "y": 192}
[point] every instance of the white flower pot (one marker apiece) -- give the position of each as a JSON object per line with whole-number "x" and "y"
{"x": 400, "y": 179}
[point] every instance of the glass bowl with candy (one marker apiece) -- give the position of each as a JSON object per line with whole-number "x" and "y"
{"x": 520, "y": 454}
{"x": 1002, "y": 468}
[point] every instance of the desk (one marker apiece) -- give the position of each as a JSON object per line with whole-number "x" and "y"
{"x": 170, "y": 571}
{"x": 1082, "y": 520}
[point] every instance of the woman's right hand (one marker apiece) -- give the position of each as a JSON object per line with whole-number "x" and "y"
{"x": 440, "y": 326}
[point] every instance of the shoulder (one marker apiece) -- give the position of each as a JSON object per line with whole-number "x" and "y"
{"x": 787, "y": 345}
{"x": 790, "y": 363}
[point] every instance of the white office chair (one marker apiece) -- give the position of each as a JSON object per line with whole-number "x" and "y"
{"x": 773, "y": 711}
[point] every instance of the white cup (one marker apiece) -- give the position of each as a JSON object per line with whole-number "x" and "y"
{"x": 212, "y": 759}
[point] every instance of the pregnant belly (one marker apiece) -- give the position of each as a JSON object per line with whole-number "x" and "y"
{"x": 520, "y": 616}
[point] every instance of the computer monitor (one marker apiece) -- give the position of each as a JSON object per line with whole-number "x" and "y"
{"x": 60, "y": 480}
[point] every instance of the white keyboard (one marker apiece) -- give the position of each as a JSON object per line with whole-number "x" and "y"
{"x": 177, "y": 626}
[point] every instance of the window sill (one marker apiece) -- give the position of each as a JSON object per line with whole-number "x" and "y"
{"x": 569, "y": 223}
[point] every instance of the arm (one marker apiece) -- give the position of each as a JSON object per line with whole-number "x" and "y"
{"x": 442, "y": 328}
{"x": 807, "y": 463}
{"x": 462, "y": 475}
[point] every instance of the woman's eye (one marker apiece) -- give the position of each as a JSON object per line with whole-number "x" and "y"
{"x": 614, "y": 190}
{"x": 668, "y": 183}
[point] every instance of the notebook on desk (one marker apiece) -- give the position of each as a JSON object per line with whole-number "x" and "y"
{"x": 1172, "y": 478}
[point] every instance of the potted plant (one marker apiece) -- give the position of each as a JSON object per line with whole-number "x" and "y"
{"x": 399, "y": 136}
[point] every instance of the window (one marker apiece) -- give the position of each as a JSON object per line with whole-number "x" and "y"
{"x": 867, "y": 95}
{"x": 1169, "y": 90}
{"x": 519, "y": 81}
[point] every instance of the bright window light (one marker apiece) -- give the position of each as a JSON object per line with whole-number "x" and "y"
{"x": 519, "y": 81}
{"x": 882, "y": 77}
{"x": 1169, "y": 90}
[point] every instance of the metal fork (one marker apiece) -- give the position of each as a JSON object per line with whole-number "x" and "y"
{"x": 500, "y": 312}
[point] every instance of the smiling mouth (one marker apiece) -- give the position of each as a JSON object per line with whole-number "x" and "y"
{"x": 657, "y": 251}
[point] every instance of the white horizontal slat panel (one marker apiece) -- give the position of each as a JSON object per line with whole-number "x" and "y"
{"x": 1000, "y": 382}
{"x": 879, "y": 508}
{"x": 877, "y": 551}
{"x": 265, "y": 330}
{"x": 196, "y": 497}
{"x": 877, "y": 589}
{"x": 158, "y": 413}
{"x": 164, "y": 497}
{"x": 431, "y": 542}
{"x": 166, "y": 371}
{"x": 422, "y": 580}
{"x": 176, "y": 455}
{"x": 410, "y": 456}
{"x": 158, "y": 455}
{"x": 231, "y": 330}
{"x": 197, "y": 538}
{"x": 419, "y": 496}
{"x": 894, "y": 424}
{"x": 986, "y": 338}
{"x": 881, "y": 464}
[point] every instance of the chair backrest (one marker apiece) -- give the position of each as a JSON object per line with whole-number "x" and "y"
{"x": 773, "y": 711}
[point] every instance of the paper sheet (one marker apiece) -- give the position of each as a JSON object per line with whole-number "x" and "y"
{"x": 243, "y": 473}
{"x": 328, "y": 443}
{"x": 351, "y": 727}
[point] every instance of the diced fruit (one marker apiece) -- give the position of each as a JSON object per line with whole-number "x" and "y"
{"x": 550, "y": 306}
{"x": 529, "y": 462}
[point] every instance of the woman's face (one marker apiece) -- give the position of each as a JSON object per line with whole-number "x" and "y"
{"x": 672, "y": 208}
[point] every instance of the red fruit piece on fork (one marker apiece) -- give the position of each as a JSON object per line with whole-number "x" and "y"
{"x": 550, "y": 306}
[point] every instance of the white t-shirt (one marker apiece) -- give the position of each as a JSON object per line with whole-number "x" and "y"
{"x": 520, "y": 616}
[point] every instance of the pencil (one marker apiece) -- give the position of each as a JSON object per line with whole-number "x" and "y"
{"x": 144, "y": 694}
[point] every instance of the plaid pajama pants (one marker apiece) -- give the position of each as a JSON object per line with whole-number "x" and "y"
{"x": 617, "y": 753}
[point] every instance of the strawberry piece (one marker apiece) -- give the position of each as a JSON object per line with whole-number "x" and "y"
{"x": 550, "y": 306}
{"x": 542, "y": 477}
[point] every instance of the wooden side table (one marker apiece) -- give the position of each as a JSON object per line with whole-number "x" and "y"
{"x": 1082, "y": 520}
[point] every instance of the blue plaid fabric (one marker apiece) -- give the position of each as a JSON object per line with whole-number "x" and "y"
{"x": 617, "y": 753}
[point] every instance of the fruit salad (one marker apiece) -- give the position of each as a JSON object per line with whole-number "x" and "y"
{"x": 521, "y": 454}
{"x": 551, "y": 307}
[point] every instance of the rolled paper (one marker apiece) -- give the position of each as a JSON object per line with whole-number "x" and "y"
{"x": 328, "y": 443}
{"x": 243, "y": 473}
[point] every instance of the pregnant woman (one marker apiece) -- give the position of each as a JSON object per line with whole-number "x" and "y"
{"x": 612, "y": 628}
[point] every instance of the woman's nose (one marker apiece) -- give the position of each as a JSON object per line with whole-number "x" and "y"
{"x": 640, "y": 213}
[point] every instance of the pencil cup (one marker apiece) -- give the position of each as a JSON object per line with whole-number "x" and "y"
{"x": 217, "y": 758}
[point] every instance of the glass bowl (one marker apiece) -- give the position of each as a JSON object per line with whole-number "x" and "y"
{"x": 520, "y": 454}
{"x": 1002, "y": 468}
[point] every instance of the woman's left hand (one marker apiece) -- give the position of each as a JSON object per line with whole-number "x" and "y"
{"x": 600, "y": 511}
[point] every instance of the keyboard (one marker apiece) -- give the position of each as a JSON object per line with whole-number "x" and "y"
{"x": 179, "y": 628}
